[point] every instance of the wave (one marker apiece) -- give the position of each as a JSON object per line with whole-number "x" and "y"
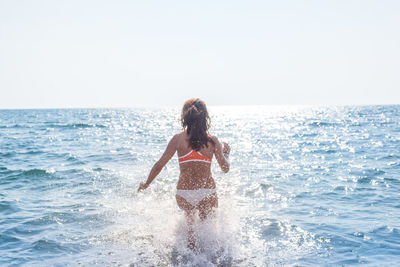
{"x": 386, "y": 230}
{"x": 325, "y": 151}
{"x": 322, "y": 124}
{"x": 8, "y": 207}
{"x": 15, "y": 126}
{"x": 37, "y": 172}
{"x": 48, "y": 246}
{"x": 18, "y": 178}
{"x": 367, "y": 173}
{"x": 390, "y": 157}
{"x": 7, "y": 239}
{"x": 54, "y": 125}
{"x": 56, "y": 217}
{"x": 33, "y": 152}
{"x": 7, "y": 154}
{"x": 75, "y": 125}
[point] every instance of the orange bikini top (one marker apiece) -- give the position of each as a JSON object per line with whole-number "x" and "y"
{"x": 193, "y": 155}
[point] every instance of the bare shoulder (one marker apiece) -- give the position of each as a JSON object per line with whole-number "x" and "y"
{"x": 179, "y": 138}
{"x": 176, "y": 137}
{"x": 179, "y": 135}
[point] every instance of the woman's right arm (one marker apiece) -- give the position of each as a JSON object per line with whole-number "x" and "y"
{"x": 222, "y": 154}
{"x": 159, "y": 165}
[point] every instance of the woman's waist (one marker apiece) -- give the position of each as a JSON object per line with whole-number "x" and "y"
{"x": 194, "y": 184}
{"x": 202, "y": 190}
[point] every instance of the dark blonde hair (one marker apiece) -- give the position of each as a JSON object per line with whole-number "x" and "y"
{"x": 196, "y": 122}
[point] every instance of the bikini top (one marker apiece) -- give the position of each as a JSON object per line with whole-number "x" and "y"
{"x": 193, "y": 155}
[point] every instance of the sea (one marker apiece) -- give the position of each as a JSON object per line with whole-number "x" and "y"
{"x": 307, "y": 186}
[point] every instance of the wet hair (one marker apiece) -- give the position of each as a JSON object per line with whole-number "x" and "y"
{"x": 196, "y": 122}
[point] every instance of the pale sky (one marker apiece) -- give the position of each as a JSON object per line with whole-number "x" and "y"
{"x": 56, "y": 54}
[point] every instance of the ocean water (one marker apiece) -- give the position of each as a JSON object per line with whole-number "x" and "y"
{"x": 308, "y": 186}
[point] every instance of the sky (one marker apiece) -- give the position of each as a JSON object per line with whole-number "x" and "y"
{"x": 67, "y": 54}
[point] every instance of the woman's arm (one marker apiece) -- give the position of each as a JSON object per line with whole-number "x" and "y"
{"x": 222, "y": 154}
{"x": 159, "y": 165}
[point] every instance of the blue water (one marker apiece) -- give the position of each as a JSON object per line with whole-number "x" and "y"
{"x": 308, "y": 186}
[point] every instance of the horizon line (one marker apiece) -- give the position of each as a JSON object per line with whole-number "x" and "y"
{"x": 223, "y": 105}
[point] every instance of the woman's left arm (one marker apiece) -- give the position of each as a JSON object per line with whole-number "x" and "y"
{"x": 159, "y": 165}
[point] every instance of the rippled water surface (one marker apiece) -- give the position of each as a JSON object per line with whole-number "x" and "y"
{"x": 308, "y": 186}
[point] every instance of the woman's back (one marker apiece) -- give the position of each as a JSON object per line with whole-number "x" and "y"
{"x": 195, "y": 166}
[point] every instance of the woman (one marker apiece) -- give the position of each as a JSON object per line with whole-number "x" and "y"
{"x": 195, "y": 146}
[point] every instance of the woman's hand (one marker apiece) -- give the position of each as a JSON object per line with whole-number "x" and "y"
{"x": 142, "y": 187}
{"x": 226, "y": 149}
